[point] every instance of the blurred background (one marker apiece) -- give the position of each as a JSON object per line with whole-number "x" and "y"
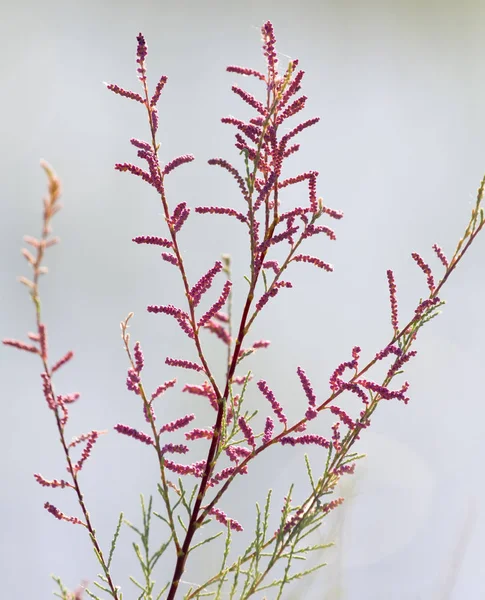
{"x": 399, "y": 87}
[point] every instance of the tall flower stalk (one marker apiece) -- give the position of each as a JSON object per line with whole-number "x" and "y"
{"x": 237, "y": 437}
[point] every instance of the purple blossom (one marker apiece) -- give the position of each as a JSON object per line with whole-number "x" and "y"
{"x": 158, "y": 90}
{"x": 177, "y": 424}
{"x": 217, "y": 329}
{"x": 174, "y": 449}
{"x": 170, "y": 258}
{"x": 184, "y": 364}
{"x": 204, "y": 283}
{"x": 134, "y": 433}
{"x": 220, "y": 210}
{"x": 176, "y": 162}
{"x": 196, "y": 469}
{"x": 152, "y": 240}
{"x": 275, "y": 405}
{"x": 141, "y": 145}
{"x": 305, "y": 439}
{"x": 215, "y": 308}
{"x": 245, "y": 71}
{"x": 21, "y": 345}
{"x": 123, "y": 167}
{"x": 393, "y": 300}
{"x": 249, "y": 99}
{"x": 268, "y": 431}
{"x": 271, "y": 293}
{"x": 247, "y": 431}
{"x": 179, "y": 216}
{"x": 199, "y": 434}
{"x": 125, "y": 93}
{"x": 226, "y": 473}
{"x": 139, "y": 361}
{"x": 441, "y": 255}
{"x": 269, "y": 42}
{"x": 235, "y": 453}
{"x": 163, "y": 388}
{"x": 223, "y": 518}
{"x": 426, "y": 270}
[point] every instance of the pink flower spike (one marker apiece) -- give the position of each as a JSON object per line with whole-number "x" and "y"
{"x": 196, "y": 469}
{"x": 335, "y": 214}
{"x": 134, "y": 170}
{"x": 21, "y": 345}
{"x": 223, "y": 518}
{"x": 91, "y": 440}
{"x": 184, "y": 364}
{"x": 218, "y": 330}
{"x": 179, "y": 216}
{"x": 220, "y": 210}
{"x": 441, "y": 255}
{"x": 215, "y": 308}
{"x": 139, "y": 361}
{"x": 270, "y": 397}
{"x": 205, "y": 283}
{"x": 158, "y": 90}
{"x": 269, "y": 42}
{"x": 241, "y": 379}
{"x": 426, "y": 305}
{"x": 313, "y": 261}
{"x": 235, "y": 453}
{"x": 134, "y": 433}
{"x": 306, "y": 439}
{"x": 296, "y": 130}
{"x": 271, "y": 293}
{"x": 154, "y": 116}
{"x": 393, "y": 300}
{"x": 226, "y": 473}
{"x": 176, "y": 162}
{"x": 47, "y": 389}
{"x": 141, "y": 52}
{"x": 61, "y": 516}
{"x": 247, "y": 432}
{"x": 68, "y": 398}
{"x": 170, "y": 258}
{"x": 125, "y": 93}
{"x": 163, "y": 388}
{"x": 62, "y": 361}
{"x": 223, "y": 317}
{"x": 174, "y": 449}
{"x": 345, "y": 469}
{"x": 426, "y": 270}
{"x": 221, "y": 162}
{"x": 152, "y": 240}
{"x": 268, "y": 431}
{"x": 343, "y": 416}
{"x": 250, "y": 99}
{"x": 245, "y": 71}
{"x": 333, "y": 504}
{"x": 141, "y": 145}
{"x": 199, "y": 434}
{"x": 272, "y": 264}
{"x": 133, "y": 382}
{"x": 177, "y": 424}
{"x": 307, "y": 387}
{"x": 54, "y": 483}
{"x": 43, "y": 341}
{"x": 261, "y": 344}
{"x": 168, "y": 309}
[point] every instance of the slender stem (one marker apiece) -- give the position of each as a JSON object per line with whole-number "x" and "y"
{"x": 60, "y": 425}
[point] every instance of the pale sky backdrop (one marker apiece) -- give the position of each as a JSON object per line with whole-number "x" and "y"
{"x": 400, "y": 90}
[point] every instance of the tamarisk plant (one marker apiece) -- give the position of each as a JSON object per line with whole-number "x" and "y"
{"x": 236, "y": 438}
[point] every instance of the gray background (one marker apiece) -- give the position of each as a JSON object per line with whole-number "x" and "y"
{"x": 399, "y": 87}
